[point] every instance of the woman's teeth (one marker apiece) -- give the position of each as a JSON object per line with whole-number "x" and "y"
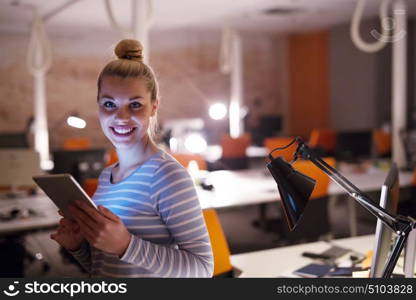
{"x": 124, "y": 131}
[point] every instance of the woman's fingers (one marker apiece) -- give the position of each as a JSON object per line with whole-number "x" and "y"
{"x": 67, "y": 222}
{"x": 63, "y": 223}
{"x": 79, "y": 214}
{"x": 75, "y": 227}
{"x": 86, "y": 230}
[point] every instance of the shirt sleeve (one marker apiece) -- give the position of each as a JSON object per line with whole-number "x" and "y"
{"x": 83, "y": 256}
{"x": 176, "y": 200}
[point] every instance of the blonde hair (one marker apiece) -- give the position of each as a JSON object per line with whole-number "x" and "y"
{"x": 129, "y": 64}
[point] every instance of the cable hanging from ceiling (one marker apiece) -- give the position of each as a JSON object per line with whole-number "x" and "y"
{"x": 393, "y": 30}
{"x": 140, "y": 22}
{"x": 355, "y": 27}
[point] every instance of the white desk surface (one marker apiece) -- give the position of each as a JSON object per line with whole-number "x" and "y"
{"x": 214, "y": 152}
{"x": 280, "y": 262}
{"x": 46, "y": 209}
{"x": 256, "y": 186}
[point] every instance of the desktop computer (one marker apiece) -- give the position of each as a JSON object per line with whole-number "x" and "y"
{"x": 14, "y": 140}
{"x": 268, "y": 126}
{"x": 354, "y": 145}
{"x": 81, "y": 164}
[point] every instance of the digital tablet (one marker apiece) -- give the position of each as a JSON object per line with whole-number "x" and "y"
{"x": 63, "y": 190}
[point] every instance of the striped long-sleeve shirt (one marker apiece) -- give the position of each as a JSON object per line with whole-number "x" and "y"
{"x": 159, "y": 206}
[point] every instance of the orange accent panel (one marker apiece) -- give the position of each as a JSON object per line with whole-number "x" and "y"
{"x": 308, "y": 83}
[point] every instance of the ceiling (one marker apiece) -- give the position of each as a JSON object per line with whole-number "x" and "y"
{"x": 246, "y": 15}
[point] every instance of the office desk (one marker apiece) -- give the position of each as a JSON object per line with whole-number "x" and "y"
{"x": 257, "y": 186}
{"x": 238, "y": 188}
{"x": 280, "y": 262}
{"x": 214, "y": 152}
{"x": 46, "y": 217}
{"x": 231, "y": 189}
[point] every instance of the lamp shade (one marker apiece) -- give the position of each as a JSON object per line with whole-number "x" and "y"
{"x": 294, "y": 188}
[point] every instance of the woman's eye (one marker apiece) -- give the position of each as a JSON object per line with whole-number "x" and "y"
{"x": 135, "y": 105}
{"x": 109, "y": 104}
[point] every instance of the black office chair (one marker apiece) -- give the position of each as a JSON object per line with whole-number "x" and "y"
{"x": 313, "y": 226}
{"x": 15, "y": 256}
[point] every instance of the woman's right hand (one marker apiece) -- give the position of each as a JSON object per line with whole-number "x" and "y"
{"x": 68, "y": 234}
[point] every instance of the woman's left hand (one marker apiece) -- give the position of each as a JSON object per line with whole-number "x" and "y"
{"x": 102, "y": 229}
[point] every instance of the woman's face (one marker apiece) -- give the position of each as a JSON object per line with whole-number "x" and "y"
{"x": 125, "y": 109}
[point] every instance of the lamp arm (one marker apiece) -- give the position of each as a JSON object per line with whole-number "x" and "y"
{"x": 399, "y": 224}
{"x": 306, "y": 153}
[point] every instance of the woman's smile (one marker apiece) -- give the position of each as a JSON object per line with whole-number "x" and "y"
{"x": 122, "y": 131}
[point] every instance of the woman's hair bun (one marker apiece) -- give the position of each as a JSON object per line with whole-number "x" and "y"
{"x": 129, "y": 49}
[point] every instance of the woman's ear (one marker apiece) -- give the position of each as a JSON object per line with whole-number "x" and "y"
{"x": 155, "y": 107}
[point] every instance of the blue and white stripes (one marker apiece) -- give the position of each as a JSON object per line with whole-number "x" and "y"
{"x": 158, "y": 204}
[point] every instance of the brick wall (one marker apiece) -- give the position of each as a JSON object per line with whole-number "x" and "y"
{"x": 186, "y": 64}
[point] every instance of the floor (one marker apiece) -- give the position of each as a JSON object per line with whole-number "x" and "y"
{"x": 237, "y": 223}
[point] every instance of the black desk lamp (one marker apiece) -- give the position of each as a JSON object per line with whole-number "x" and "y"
{"x": 296, "y": 188}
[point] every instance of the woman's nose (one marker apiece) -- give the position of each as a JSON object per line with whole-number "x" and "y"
{"x": 123, "y": 113}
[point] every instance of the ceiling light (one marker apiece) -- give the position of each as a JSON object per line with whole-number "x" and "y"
{"x": 195, "y": 143}
{"x": 76, "y": 122}
{"x": 217, "y": 111}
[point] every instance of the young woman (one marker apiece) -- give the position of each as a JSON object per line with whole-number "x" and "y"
{"x": 149, "y": 222}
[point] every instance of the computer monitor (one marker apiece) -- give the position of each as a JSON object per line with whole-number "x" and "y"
{"x": 410, "y": 255}
{"x": 17, "y": 168}
{"x": 13, "y": 140}
{"x": 270, "y": 125}
{"x": 389, "y": 200}
{"x": 354, "y": 145}
{"x": 81, "y": 164}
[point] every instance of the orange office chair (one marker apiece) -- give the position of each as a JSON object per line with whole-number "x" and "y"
{"x": 234, "y": 151}
{"x": 235, "y": 147}
{"x": 382, "y": 142}
{"x": 111, "y": 157}
{"x": 324, "y": 139}
{"x": 322, "y": 180}
{"x": 274, "y": 142}
{"x": 219, "y": 245}
{"x": 414, "y": 177}
{"x": 76, "y": 144}
{"x": 90, "y": 186}
{"x": 184, "y": 159}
